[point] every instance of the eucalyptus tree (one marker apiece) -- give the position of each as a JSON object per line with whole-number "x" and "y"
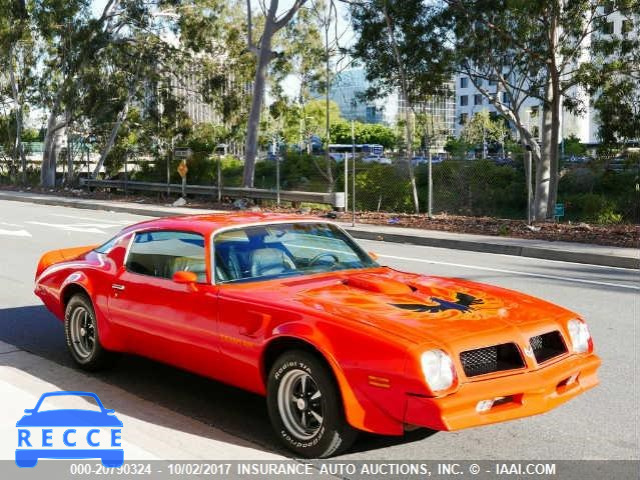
{"x": 397, "y": 49}
{"x": 613, "y": 80}
{"x": 482, "y": 129}
{"x": 17, "y": 60}
{"x": 74, "y": 40}
{"x": 535, "y": 50}
{"x": 514, "y": 53}
{"x": 272, "y": 21}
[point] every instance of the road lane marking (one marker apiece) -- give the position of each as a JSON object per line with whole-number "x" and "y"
{"x": 514, "y": 272}
{"x": 70, "y": 228}
{"x": 15, "y": 233}
{"x": 505, "y": 255}
{"x": 76, "y": 217}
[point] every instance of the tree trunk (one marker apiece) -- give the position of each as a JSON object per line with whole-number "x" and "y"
{"x": 407, "y": 113}
{"x": 112, "y": 137}
{"x": 264, "y": 55}
{"x": 327, "y": 157}
{"x": 19, "y": 149}
{"x": 554, "y": 153}
{"x": 543, "y": 166}
{"x": 259, "y": 83}
{"x": 555, "y": 105}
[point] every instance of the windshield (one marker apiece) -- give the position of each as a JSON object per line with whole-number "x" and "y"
{"x": 264, "y": 252}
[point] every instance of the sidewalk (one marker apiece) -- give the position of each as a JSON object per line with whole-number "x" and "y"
{"x": 561, "y": 251}
{"x": 150, "y": 432}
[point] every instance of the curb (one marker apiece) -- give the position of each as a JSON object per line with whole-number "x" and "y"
{"x": 89, "y": 206}
{"x": 502, "y": 249}
{"x": 483, "y": 247}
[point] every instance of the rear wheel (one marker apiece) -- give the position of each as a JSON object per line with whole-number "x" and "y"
{"x": 305, "y": 406}
{"x": 82, "y": 336}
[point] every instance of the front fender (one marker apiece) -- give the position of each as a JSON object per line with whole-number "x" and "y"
{"x": 368, "y": 405}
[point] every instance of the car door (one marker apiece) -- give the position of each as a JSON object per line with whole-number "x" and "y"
{"x": 159, "y": 317}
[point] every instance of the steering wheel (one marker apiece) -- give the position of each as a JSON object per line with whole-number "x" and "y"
{"x": 315, "y": 259}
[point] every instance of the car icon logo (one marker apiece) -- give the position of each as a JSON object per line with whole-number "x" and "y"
{"x": 69, "y": 433}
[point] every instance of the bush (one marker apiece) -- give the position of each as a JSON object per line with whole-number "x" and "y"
{"x": 477, "y": 187}
{"x": 597, "y": 195}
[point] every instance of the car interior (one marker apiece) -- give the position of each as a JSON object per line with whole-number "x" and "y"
{"x": 236, "y": 260}
{"x": 163, "y": 258}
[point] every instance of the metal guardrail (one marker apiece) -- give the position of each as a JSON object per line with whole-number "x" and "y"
{"x": 333, "y": 199}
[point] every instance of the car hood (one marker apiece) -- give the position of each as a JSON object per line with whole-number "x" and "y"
{"x": 69, "y": 418}
{"x": 422, "y": 308}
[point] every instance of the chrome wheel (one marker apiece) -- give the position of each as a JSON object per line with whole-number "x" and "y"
{"x": 300, "y": 404}
{"x": 82, "y": 331}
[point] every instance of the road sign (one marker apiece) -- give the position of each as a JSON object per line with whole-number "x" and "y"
{"x": 559, "y": 211}
{"x": 181, "y": 152}
{"x": 182, "y": 168}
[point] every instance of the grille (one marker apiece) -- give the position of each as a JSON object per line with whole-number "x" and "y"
{"x": 547, "y": 346}
{"x": 491, "y": 359}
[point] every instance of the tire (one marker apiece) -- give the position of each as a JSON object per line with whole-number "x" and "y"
{"x": 82, "y": 336}
{"x": 309, "y": 423}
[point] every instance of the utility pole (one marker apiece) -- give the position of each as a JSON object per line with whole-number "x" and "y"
{"x": 353, "y": 175}
{"x": 276, "y": 154}
{"x": 527, "y": 170}
{"x": 169, "y": 168}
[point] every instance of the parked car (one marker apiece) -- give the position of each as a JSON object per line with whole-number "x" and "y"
{"x": 577, "y": 159}
{"x": 504, "y": 161}
{"x": 435, "y": 159}
{"x": 294, "y": 309}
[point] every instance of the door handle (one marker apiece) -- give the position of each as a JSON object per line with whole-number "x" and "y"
{"x": 117, "y": 286}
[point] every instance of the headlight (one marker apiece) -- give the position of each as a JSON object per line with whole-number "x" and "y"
{"x": 438, "y": 370}
{"x": 580, "y": 336}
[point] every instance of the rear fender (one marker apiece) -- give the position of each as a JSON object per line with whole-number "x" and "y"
{"x": 80, "y": 281}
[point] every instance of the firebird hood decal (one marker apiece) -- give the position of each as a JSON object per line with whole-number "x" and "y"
{"x": 432, "y": 308}
{"x": 464, "y": 304}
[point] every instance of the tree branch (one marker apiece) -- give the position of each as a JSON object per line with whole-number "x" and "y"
{"x": 283, "y": 21}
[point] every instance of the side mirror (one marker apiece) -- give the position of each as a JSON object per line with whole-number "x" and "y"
{"x": 373, "y": 255}
{"x": 185, "y": 277}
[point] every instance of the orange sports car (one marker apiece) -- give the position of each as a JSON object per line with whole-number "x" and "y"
{"x": 292, "y": 308}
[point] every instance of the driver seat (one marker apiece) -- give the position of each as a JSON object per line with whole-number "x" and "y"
{"x": 269, "y": 261}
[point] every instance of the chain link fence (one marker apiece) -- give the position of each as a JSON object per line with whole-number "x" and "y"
{"x": 602, "y": 190}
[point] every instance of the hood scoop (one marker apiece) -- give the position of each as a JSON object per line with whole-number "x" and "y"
{"x": 378, "y": 284}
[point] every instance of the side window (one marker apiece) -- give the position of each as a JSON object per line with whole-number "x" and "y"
{"x": 163, "y": 253}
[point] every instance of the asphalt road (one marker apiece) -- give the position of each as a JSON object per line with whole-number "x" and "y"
{"x": 602, "y": 424}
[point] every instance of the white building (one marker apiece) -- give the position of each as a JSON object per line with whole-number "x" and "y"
{"x": 469, "y": 100}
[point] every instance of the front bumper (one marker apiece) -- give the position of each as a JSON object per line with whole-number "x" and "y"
{"x": 524, "y": 394}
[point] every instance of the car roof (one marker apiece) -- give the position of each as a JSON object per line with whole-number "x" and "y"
{"x": 211, "y": 222}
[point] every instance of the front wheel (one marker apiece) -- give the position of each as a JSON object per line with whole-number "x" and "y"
{"x": 305, "y": 406}
{"x": 82, "y": 336}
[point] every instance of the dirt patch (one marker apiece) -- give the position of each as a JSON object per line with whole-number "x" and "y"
{"x": 619, "y": 235}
